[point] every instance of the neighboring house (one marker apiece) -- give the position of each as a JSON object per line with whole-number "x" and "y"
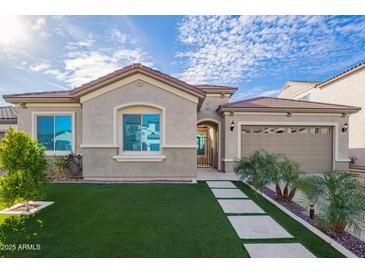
{"x": 141, "y": 124}
{"x": 7, "y": 119}
{"x": 347, "y": 88}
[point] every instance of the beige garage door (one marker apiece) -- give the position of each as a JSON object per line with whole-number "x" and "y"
{"x": 310, "y": 147}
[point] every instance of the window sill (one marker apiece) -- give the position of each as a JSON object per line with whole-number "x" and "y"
{"x": 139, "y": 158}
{"x": 57, "y": 153}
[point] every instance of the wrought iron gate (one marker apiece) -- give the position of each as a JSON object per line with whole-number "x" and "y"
{"x": 204, "y": 150}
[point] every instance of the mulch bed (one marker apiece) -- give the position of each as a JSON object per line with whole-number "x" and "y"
{"x": 345, "y": 239}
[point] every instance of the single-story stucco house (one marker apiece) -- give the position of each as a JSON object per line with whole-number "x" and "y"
{"x": 138, "y": 123}
{"x": 346, "y": 87}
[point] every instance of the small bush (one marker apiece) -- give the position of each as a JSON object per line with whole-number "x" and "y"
{"x": 340, "y": 198}
{"x": 263, "y": 168}
{"x": 68, "y": 166}
{"x": 25, "y": 166}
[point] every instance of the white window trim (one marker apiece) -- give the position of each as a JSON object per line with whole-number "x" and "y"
{"x": 139, "y": 158}
{"x": 335, "y": 135}
{"x": 55, "y": 113}
{"x": 141, "y": 114}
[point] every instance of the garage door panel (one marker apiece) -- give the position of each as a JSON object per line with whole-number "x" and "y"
{"x": 310, "y": 147}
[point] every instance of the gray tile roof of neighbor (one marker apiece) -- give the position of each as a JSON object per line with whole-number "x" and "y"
{"x": 7, "y": 112}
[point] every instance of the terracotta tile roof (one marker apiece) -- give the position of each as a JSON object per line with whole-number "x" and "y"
{"x": 128, "y": 69}
{"x": 141, "y": 67}
{"x": 7, "y": 113}
{"x": 281, "y": 103}
{"x": 206, "y": 86}
{"x": 43, "y": 94}
{"x": 304, "y": 82}
{"x": 343, "y": 73}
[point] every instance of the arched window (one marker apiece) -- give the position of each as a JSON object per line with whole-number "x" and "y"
{"x": 140, "y": 128}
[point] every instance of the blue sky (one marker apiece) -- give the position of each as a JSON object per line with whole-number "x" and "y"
{"x": 256, "y": 53}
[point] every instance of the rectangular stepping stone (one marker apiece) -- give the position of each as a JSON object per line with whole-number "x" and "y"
{"x": 228, "y": 193}
{"x": 220, "y": 184}
{"x": 240, "y": 206}
{"x": 257, "y": 227}
{"x": 290, "y": 250}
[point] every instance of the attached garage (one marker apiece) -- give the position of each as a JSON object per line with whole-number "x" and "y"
{"x": 310, "y": 146}
{"x": 313, "y": 134}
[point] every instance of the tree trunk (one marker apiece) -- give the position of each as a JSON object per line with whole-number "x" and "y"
{"x": 285, "y": 191}
{"x": 292, "y": 193}
{"x": 279, "y": 193}
{"x": 339, "y": 226}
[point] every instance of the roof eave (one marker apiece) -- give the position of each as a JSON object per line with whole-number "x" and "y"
{"x": 340, "y": 76}
{"x": 12, "y": 121}
{"x": 20, "y": 99}
{"x": 197, "y": 92}
{"x": 291, "y": 110}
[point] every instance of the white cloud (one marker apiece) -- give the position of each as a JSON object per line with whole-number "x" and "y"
{"x": 255, "y": 92}
{"x": 40, "y": 26}
{"x": 39, "y": 66}
{"x": 227, "y": 49}
{"x": 119, "y": 36}
{"x": 80, "y": 67}
{"x": 81, "y": 44}
{"x": 39, "y": 23}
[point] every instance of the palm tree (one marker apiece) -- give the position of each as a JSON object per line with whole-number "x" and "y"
{"x": 260, "y": 169}
{"x": 263, "y": 169}
{"x": 340, "y": 198}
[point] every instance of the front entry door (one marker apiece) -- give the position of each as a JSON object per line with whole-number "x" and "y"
{"x": 204, "y": 150}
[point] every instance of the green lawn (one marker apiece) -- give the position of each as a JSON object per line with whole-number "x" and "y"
{"x": 140, "y": 220}
{"x": 125, "y": 220}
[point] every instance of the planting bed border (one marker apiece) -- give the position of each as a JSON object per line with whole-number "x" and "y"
{"x": 11, "y": 211}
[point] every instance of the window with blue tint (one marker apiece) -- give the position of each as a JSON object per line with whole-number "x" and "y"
{"x": 151, "y": 132}
{"x": 132, "y": 132}
{"x": 54, "y": 132}
{"x": 141, "y": 132}
{"x": 63, "y": 133}
{"x": 45, "y": 131}
{"x": 200, "y": 141}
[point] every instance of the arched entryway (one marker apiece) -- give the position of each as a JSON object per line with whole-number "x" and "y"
{"x": 207, "y": 140}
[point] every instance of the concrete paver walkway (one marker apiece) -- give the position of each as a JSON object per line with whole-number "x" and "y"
{"x": 240, "y": 206}
{"x": 287, "y": 250}
{"x": 220, "y": 184}
{"x": 258, "y": 227}
{"x": 228, "y": 193}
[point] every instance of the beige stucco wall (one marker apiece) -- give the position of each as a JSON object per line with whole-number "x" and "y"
{"x": 293, "y": 89}
{"x": 231, "y": 137}
{"x": 349, "y": 90}
{"x": 180, "y": 164}
{"x": 25, "y": 119}
{"x": 180, "y": 113}
{"x": 180, "y": 117}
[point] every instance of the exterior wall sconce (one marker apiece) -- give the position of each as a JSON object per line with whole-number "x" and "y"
{"x": 232, "y": 126}
{"x": 311, "y": 211}
{"x": 345, "y": 127}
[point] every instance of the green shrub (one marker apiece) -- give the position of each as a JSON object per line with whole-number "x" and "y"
{"x": 25, "y": 166}
{"x": 263, "y": 168}
{"x": 69, "y": 165}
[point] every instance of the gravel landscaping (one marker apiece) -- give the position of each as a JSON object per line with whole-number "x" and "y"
{"x": 347, "y": 240}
